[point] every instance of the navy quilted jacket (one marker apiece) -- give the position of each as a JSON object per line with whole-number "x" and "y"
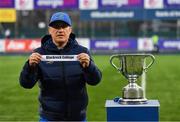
{"x": 63, "y": 94}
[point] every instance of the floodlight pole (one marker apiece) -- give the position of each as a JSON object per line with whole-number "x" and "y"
{"x": 178, "y": 29}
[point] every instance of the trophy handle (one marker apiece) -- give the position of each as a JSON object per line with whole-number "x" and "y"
{"x": 111, "y": 62}
{"x": 150, "y": 64}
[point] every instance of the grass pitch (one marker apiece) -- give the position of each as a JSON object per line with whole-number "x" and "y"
{"x": 163, "y": 84}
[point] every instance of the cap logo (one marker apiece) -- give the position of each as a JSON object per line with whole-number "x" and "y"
{"x": 60, "y": 16}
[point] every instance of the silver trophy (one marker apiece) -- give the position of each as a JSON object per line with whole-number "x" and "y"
{"x": 132, "y": 66}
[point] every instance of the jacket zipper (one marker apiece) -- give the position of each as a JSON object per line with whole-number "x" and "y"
{"x": 67, "y": 115}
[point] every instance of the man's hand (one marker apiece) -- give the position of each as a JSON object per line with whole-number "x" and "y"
{"x": 34, "y": 59}
{"x": 84, "y": 59}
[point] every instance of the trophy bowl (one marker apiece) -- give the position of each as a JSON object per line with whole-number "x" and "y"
{"x": 132, "y": 67}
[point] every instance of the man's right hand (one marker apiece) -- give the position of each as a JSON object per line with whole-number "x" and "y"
{"x": 34, "y": 59}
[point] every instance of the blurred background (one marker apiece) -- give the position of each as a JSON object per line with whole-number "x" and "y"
{"x": 105, "y": 27}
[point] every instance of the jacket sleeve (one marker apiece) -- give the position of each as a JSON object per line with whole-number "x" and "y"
{"x": 28, "y": 76}
{"x": 92, "y": 74}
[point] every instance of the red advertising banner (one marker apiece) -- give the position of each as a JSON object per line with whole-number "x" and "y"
{"x": 21, "y": 45}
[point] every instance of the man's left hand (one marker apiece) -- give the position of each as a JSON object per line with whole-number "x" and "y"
{"x": 84, "y": 59}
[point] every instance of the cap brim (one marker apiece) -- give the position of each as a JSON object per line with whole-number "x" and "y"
{"x": 58, "y": 21}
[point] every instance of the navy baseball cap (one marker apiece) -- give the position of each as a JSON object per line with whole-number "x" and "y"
{"x": 60, "y": 16}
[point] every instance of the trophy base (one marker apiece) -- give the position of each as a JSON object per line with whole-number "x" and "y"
{"x": 132, "y": 101}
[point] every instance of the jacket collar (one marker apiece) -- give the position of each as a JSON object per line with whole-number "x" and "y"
{"x": 47, "y": 43}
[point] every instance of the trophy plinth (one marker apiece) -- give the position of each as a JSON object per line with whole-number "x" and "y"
{"x": 131, "y": 67}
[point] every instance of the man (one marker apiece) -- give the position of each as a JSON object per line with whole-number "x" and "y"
{"x": 63, "y": 94}
{"x": 155, "y": 39}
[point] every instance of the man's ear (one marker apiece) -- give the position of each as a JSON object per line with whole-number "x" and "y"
{"x": 49, "y": 30}
{"x": 70, "y": 29}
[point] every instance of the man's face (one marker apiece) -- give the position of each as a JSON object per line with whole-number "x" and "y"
{"x": 60, "y": 32}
